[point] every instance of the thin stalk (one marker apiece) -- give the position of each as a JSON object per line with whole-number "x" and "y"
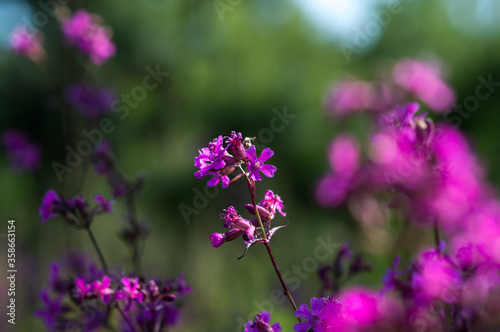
{"x": 132, "y": 326}
{"x": 276, "y": 268}
{"x": 136, "y": 251}
{"x": 99, "y": 253}
{"x": 268, "y": 246}
{"x": 436, "y": 237}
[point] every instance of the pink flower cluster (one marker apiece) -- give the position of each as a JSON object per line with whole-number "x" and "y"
{"x": 84, "y": 31}
{"x": 411, "y": 78}
{"x": 427, "y": 174}
{"x": 27, "y": 44}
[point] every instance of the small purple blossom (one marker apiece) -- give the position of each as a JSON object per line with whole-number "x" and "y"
{"x": 217, "y": 239}
{"x": 238, "y": 227}
{"x": 23, "y": 154}
{"x": 102, "y": 289}
{"x": 91, "y": 101}
{"x": 48, "y": 209}
{"x": 256, "y": 165}
{"x": 213, "y": 160}
{"x": 237, "y": 147}
{"x": 103, "y": 158}
{"x": 52, "y": 309}
{"x": 131, "y": 291}
{"x": 27, "y": 44}
{"x": 103, "y": 204}
{"x": 81, "y": 290}
{"x": 261, "y": 324}
{"x": 91, "y": 39}
{"x": 272, "y": 203}
{"x": 315, "y": 317}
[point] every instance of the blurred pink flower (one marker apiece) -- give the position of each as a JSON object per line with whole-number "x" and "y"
{"x": 27, "y": 44}
{"x": 424, "y": 80}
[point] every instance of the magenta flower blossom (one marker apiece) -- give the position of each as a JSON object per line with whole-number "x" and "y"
{"x": 424, "y": 80}
{"x": 213, "y": 160}
{"x": 268, "y": 206}
{"x": 91, "y": 101}
{"x": 315, "y": 318}
{"x": 91, "y": 39}
{"x": 437, "y": 278}
{"x": 349, "y": 97}
{"x": 131, "y": 291}
{"x": 49, "y": 207}
{"x": 23, "y": 154}
{"x": 261, "y": 324}
{"x": 81, "y": 290}
{"x": 103, "y": 290}
{"x": 27, "y": 44}
{"x": 103, "y": 204}
{"x": 256, "y": 165}
{"x": 273, "y": 202}
{"x": 238, "y": 227}
{"x": 359, "y": 307}
{"x": 237, "y": 147}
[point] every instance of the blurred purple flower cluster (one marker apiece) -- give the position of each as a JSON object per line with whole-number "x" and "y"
{"x": 23, "y": 154}
{"x": 425, "y": 173}
{"x": 411, "y": 79}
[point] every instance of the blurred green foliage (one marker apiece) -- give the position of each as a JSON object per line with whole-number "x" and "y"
{"x": 225, "y": 75}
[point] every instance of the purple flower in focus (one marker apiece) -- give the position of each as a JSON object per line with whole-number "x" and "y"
{"x": 23, "y": 154}
{"x": 272, "y": 203}
{"x": 214, "y": 160}
{"x": 261, "y": 324}
{"x": 103, "y": 204}
{"x": 91, "y": 101}
{"x": 91, "y": 39}
{"x": 48, "y": 209}
{"x": 239, "y": 227}
{"x": 256, "y": 165}
{"x": 237, "y": 147}
{"x": 27, "y": 44}
{"x": 268, "y": 206}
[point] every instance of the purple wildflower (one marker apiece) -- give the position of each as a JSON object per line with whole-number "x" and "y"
{"x": 23, "y": 154}
{"x": 103, "y": 204}
{"x": 214, "y": 160}
{"x": 315, "y": 316}
{"x": 238, "y": 149}
{"x": 272, "y": 203}
{"x": 91, "y": 39}
{"x": 239, "y": 227}
{"x": 52, "y": 309}
{"x": 131, "y": 290}
{"x": 48, "y": 209}
{"x": 261, "y": 324}
{"x": 81, "y": 290}
{"x": 27, "y": 44}
{"x": 424, "y": 80}
{"x": 103, "y": 158}
{"x": 217, "y": 239}
{"x": 102, "y": 289}
{"x": 257, "y": 164}
{"x": 91, "y": 101}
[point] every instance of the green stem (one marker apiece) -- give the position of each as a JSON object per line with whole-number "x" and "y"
{"x": 99, "y": 253}
{"x": 268, "y": 246}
